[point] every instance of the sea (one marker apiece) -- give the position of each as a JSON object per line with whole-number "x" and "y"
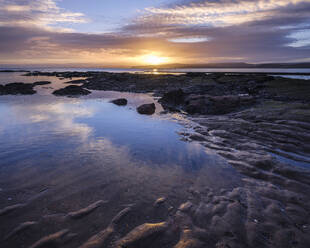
{"x": 296, "y": 73}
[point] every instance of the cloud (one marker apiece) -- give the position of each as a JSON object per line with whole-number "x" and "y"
{"x": 217, "y": 13}
{"x": 301, "y": 37}
{"x": 185, "y": 31}
{"x": 42, "y": 13}
{"x": 254, "y": 31}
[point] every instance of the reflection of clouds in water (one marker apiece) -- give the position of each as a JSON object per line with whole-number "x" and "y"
{"x": 103, "y": 148}
{"x": 60, "y": 117}
{"x": 108, "y": 138}
{"x": 119, "y": 162}
{"x": 73, "y": 109}
{"x": 38, "y": 118}
{"x": 118, "y": 158}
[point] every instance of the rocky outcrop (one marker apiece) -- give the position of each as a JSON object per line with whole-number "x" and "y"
{"x": 71, "y": 90}
{"x": 146, "y": 109}
{"x": 173, "y": 99}
{"x": 20, "y": 88}
{"x": 215, "y": 105}
{"x": 16, "y": 89}
{"x": 204, "y": 104}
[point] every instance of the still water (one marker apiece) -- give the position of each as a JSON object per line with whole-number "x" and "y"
{"x": 85, "y": 149}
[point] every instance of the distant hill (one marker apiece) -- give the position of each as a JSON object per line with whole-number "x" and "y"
{"x": 226, "y": 65}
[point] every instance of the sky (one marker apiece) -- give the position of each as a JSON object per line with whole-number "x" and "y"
{"x": 142, "y": 32}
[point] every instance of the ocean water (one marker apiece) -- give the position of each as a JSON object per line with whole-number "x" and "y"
{"x": 270, "y": 71}
{"x": 173, "y": 70}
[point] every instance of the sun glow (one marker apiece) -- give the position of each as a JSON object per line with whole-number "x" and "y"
{"x": 152, "y": 59}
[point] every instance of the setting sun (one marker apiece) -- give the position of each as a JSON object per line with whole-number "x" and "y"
{"x": 154, "y": 59}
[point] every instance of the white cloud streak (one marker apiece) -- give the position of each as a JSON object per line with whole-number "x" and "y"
{"x": 41, "y": 13}
{"x": 221, "y": 13}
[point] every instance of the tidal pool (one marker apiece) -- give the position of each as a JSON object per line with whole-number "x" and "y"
{"x": 59, "y": 154}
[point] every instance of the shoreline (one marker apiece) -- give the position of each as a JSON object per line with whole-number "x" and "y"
{"x": 167, "y": 71}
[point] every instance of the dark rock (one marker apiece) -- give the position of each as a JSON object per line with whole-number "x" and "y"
{"x": 17, "y": 88}
{"x": 71, "y": 90}
{"x": 41, "y": 83}
{"x": 146, "y": 109}
{"x": 13, "y": 71}
{"x": 197, "y": 137}
{"x": 196, "y": 74}
{"x": 205, "y": 104}
{"x": 120, "y": 102}
{"x": 174, "y": 97}
{"x": 196, "y": 107}
{"x": 78, "y": 81}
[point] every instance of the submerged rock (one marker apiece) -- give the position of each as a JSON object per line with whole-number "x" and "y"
{"x": 146, "y": 109}
{"x": 120, "y": 102}
{"x": 71, "y": 90}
